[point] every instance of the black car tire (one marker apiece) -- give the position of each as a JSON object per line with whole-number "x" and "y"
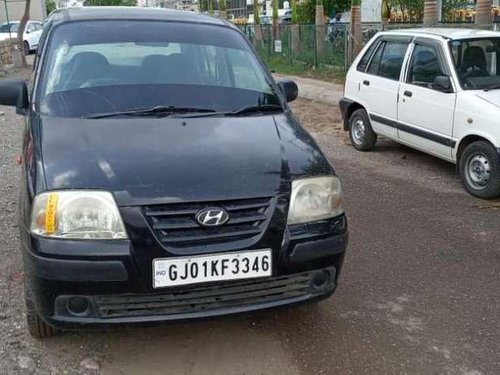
{"x": 36, "y": 326}
{"x": 480, "y": 170}
{"x": 26, "y": 47}
{"x": 362, "y": 136}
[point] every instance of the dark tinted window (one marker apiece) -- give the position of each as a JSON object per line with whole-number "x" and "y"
{"x": 375, "y": 63}
{"x": 424, "y": 66}
{"x": 388, "y": 59}
{"x": 392, "y": 60}
{"x": 363, "y": 63}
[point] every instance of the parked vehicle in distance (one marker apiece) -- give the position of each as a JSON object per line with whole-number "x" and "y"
{"x": 436, "y": 90}
{"x": 165, "y": 176}
{"x": 31, "y": 34}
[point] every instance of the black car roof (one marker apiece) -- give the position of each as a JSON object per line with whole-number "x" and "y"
{"x": 132, "y": 13}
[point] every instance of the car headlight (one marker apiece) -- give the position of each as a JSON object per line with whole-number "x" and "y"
{"x": 314, "y": 199}
{"x": 77, "y": 214}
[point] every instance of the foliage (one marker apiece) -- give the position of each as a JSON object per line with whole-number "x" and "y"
{"x": 306, "y": 10}
{"x": 222, "y": 5}
{"x": 450, "y": 5}
{"x": 295, "y": 16}
{"x": 275, "y": 9}
{"x": 50, "y": 5}
{"x": 415, "y": 8}
{"x": 256, "y": 15}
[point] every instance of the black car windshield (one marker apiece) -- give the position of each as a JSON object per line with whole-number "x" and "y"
{"x": 477, "y": 62}
{"x": 99, "y": 67}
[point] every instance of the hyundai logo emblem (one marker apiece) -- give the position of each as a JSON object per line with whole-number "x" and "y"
{"x": 212, "y": 217}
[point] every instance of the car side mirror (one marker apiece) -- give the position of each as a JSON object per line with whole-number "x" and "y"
{"x": 289, "y": 89}
{"x": 15, "y": 93}
{"x": 442, "y": 83}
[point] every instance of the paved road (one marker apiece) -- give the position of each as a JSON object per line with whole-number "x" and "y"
{"x": 419, "y": 293}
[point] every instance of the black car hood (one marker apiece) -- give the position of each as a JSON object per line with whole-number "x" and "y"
{"x": 167, "y": 159}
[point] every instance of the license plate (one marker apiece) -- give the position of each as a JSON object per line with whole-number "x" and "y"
{"x": 214, "y": 267}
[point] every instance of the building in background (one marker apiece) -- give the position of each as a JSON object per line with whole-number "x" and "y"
{"x": 69, "y": 3}
{"x": 13, "y": 10}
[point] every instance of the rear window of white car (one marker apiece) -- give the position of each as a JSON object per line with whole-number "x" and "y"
{"x": 388, "y": 59}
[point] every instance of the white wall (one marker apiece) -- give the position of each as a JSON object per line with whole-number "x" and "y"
{"x": 16, "y": 9}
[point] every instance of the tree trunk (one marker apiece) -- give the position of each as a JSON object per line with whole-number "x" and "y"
{"x": 257, "y": 33}
{"x": 357, "y": 31}
{"x": 20, "y": 32}
{"x": 483, "y": 12}
{"x": 431, "y": 14}
{"x": 320, "y": 29}
{"x": 275, "y": 20}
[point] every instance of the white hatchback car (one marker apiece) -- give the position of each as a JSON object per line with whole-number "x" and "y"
{"x": 31, "y": 35}
{"x": 436, "y": 90}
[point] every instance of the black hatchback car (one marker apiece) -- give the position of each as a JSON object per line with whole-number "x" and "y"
{"x": 165, "y": 177}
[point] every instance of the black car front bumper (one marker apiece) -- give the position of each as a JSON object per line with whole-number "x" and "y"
{"x": 107, "y": 288}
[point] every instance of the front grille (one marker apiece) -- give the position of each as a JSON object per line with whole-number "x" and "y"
{"x": 207, "y": 298}
{"x": 175, "y": 225}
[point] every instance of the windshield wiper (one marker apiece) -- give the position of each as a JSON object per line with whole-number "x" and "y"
{"x": 492, "y": 87}
{"x": 259, "y": 108}
{"x": 151, "y": 111}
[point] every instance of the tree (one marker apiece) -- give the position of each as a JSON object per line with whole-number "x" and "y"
{"x": 20, "y": 32}
{"x": 357, "y": 32}
{"x": 294, "y": 28}
{"x": 483, "y": 12}
{"x": 275, "y": 19}
{"x": 412, "y": 8}
{"x": 222, "y": 9}
{"x": 431, "y": 15}
{"x": 256, "y": 12}
{"x": 50, "y": 6}
{"x": 320, "y": 27}
{"x": 449, "y": 6}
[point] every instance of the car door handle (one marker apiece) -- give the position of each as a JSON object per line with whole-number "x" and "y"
{"x": 366, "y": 83}
{"x": 408, "y": 93}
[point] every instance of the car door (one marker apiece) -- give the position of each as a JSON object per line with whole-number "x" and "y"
{"x": 425, "y": 113}
{"x": 379, "y": 87}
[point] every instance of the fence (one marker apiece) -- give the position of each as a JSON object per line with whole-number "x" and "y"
{"x": 316, "y": 50}
{"x": 301, "y": 47}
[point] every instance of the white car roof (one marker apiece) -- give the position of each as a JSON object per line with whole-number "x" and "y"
{"x": 448, "y": 33}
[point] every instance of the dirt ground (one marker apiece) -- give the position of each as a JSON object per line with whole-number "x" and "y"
{"x": 420, "y": 292}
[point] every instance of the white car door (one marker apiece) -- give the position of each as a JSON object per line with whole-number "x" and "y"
{"x": 379, "y": 86}
{"x": 426, "y": 107}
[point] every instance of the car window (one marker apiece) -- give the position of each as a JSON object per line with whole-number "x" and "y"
{"x": 96, "y": 68}
{"x": 425, "y": 66}
{"x": 31, "y": 27}
{"x": 363, "y": 63}
{"x": 9, "y": 27}
{"x": 477, "y": 62}
{"x": 375, "y": 62}
{"x": 392, "y": 60}
{"x": 388, "y": 59}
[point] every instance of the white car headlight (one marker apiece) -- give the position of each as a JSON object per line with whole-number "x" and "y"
{"x": 314, "y": 199}
{"x": 77, "y": 214}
